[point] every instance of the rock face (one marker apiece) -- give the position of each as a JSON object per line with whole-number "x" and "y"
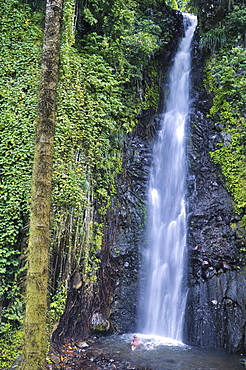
{"x": 131, "y": 233}
{"x": 216, "y": 312}
{"x": 130, "y": 238}
{"x": 215, "y": 315}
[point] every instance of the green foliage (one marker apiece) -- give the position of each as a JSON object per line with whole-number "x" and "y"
{"x": 229, "y": 31}
{"x": 127, "y": 34}
{"x": 213, "y": 13}
{"x": 11, "y": 347}
{"x": 98, "y": 99}
{"x": 172, "y": 3}
{"x": 101, "y": 92}
{"x": 183, "y": 5}
{"x": 213, "y": 40}
{"x": 56, "y": 305}
{"x": 19, "y": 73}
{"x": 187, "y": 6}
{"x": 91, "y": 118}
{"x": 119, "y": 21}
{"x": 226, "y": 80}
{"x": 235, "y": 23}
{"x": 140, "y": 46}
{"x": 13, "y": 313}
{"x": 89, "y": 111}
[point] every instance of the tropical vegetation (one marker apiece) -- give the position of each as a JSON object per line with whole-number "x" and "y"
{"x": 107, "y": 49}
{"x": 223, "y": 46}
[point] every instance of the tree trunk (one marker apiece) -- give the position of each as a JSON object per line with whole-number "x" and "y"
{"x": 38, "y": 249}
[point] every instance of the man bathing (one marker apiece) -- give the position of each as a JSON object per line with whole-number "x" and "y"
{"x": 136, "y": 343}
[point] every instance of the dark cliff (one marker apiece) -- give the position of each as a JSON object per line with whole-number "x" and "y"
{"x": 215, "y": 314}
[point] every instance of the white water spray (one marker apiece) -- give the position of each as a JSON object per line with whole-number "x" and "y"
{"x": 165, "y": 297}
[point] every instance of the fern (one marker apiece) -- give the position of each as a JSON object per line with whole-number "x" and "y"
{"x": 213, "y": 40}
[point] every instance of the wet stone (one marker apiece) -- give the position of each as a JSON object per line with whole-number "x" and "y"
{"x": 73, "y": 357}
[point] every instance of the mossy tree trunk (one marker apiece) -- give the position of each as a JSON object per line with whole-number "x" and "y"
{"x": 38, "y": 249}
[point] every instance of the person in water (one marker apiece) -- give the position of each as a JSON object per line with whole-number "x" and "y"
{"x": 136, "y": 343}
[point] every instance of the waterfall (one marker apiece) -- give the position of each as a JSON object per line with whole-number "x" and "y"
{"x": 165, "y": 295}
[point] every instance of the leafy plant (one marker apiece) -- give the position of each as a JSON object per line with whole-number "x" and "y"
{"x": 19, "y": 75}
{"x": 226, "y": 80}
{"x": 56, "y": 304}
{"x": 172, "y": 3}
{"x": 213, "y": 40}
{"x": 236, "y": 23}
{"x": 11, "y": 346}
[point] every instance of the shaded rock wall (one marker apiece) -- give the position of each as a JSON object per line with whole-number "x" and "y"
{"x": 215, "y": 315}
{"x": 216, "y": 312}
{"x": 130, "y": 237}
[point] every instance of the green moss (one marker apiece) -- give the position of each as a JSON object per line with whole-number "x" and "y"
{"x": 99, "y": 328}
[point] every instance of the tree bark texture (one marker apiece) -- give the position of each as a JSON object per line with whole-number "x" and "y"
{"x": 38, "y": 249}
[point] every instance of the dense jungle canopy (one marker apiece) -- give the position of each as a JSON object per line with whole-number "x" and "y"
{"x": 108, "y": 77}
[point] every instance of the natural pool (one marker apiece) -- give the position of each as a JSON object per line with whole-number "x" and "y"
{"x": 164, "y": 354}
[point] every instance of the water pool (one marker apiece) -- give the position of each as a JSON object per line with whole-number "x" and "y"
{"x": 164, "y": 354}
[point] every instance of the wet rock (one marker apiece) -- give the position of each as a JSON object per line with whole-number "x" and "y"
{"x": 99, "y": 323}
{"x": 91, "y": 358}
{"x": 16, "y": 364}
{"x": 55, "y": 359}
{"x": 243, "y": 362}
{"x": 214, "y": 237}
{"x": 82, "y": 344}
{"x": 205, "y": 264}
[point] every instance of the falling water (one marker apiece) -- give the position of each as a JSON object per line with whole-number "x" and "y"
{"x": 165, "y": 295}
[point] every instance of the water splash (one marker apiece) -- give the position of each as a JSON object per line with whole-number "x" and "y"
{"x": 165, "y": 296}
